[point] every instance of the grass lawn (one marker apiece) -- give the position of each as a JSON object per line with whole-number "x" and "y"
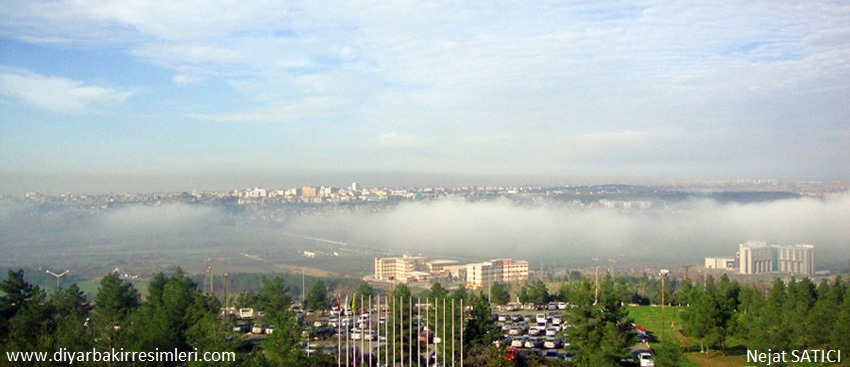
{"x": 650, "y": 318}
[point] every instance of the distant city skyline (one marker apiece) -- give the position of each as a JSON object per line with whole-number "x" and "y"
{"x": 148, "y": 96}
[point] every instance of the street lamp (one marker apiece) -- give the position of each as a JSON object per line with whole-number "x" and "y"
{"x": 663, "y": 274}
{"x": 58, "y": 276}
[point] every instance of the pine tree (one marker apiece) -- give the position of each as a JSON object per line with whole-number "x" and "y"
{"x": 822, "y": 317}
{"x": 317, "y": 297}
{"x": 362, "y": 294}
{"x": 16, "y": 291}
{"x": 500, "y": 294}
{"x": 801, "y": 299}
{"x": 70, "y": 312}
{"x": 601, "y": 333}
{"x": 437, "y": 291}
{"x": 273, "y": 298}
{"x": 31, "y": 329}
{"x": 840, "y": 334}
{"x": 699, "y": 321}
{"x": 770, "y": 330}
{"x": 480, "y": 328}
{"x": 113, "y": 303}
{"x": 281, "y": 348}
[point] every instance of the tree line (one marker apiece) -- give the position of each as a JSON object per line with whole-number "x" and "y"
{"x": 792, "y": 314}
{"x": 176, "y": 314}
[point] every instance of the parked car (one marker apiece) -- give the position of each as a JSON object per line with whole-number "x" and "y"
{"x": 534, "y": 343}
{"x": 541, "y": 317}
{"x": 552, "y": 343}
{"x": 557, "y": 319}
{"x": 242, "y": 327}
{"x": 519, "y": 342}
{"x": 511, "y": 353}
{"x": 644, "y": 359}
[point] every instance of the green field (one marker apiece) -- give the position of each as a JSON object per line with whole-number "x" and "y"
{"x": 650, "y": 318}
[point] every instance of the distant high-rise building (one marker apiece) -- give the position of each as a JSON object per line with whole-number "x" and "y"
{"x": 355, "y": 187}
{"x": 759, "y": 257}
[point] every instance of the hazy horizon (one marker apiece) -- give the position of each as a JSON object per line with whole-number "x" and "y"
{"x": 95, "y": 94}
{"x": 682, "y": 231}
{"x": 17, "y": 184}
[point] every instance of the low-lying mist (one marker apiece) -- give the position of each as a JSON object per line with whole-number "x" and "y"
{"x": 455, "y": 228}
{"x": 685, "y": 230}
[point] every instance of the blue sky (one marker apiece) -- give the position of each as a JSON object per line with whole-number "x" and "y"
{"x": 215, "y": 93}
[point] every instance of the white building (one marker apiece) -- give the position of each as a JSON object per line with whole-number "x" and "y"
{"x": 398, "y": 268}
{"x": 482, "y": 275}
{"x": 728, "y": 263}
{"x": 758, "y": 257}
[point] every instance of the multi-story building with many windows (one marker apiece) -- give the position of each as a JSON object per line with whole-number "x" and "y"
{"x": 757, "y": 257}
{"x": 399, "y": 268}
{"x": 482, "y": 275}
{"x": 476, "y": 275}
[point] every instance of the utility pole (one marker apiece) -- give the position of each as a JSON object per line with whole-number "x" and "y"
{"x": 303, "y": 297}
{"x": 663, "y": 275}
{"x": 596, "y": 299}
{"x": 613, "y": 265}
{"x": 225, "y": 293}
{"x": 208, "y": 276}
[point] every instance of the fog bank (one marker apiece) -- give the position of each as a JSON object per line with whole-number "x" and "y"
{"x": 689, "y": 229}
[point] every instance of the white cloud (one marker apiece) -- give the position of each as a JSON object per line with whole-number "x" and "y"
{"x": 187, "y": 79}
{"x": 538, "y": 79}
{"x": 57, "y": 93}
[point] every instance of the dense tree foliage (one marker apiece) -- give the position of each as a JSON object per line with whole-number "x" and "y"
{"x": 602, "y": 333}
{"x": 480, "y": 329}
{"x": 788, "y": 314}
{"x": 317, "y": 297}
{"x": 500, "y": 293}
{"x": 362, "y": 294}
{"x": 791, "y": 314}
{"x": 534, "y": 292}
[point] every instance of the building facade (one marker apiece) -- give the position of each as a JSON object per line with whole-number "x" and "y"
{"x": 758, "y": 257}
{"x": 482, "y": 275}
{"x": 399, "y": 269}
{"x": 727, "y": 263}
